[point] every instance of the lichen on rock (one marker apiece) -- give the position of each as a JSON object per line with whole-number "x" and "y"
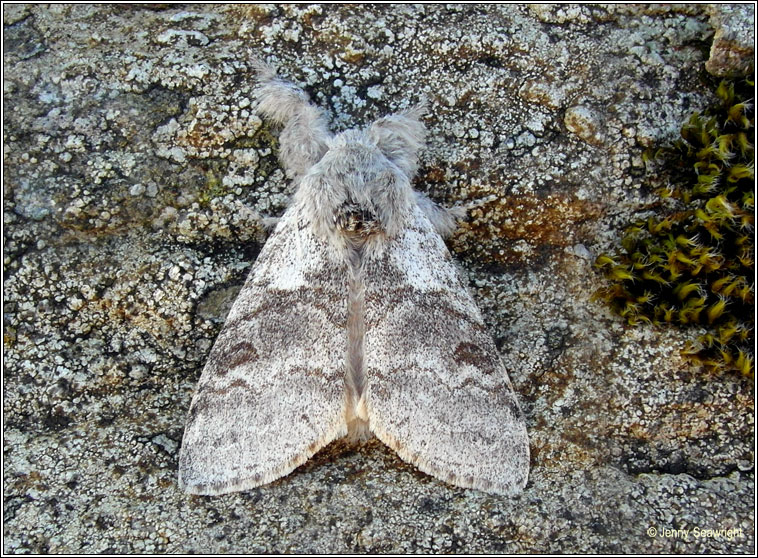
{"x": 135, "y": 177}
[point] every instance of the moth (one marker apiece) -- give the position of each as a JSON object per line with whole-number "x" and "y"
{"x": 353, "y": 321}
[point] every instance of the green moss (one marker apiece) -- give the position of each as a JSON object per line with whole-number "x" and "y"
{"x": 213, "y": 188}
{"x": 693, "y": 266}
{"x": 261, "y": 139}
{"x": 264, "y": 139}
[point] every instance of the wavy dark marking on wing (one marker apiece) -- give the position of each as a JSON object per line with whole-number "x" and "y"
{"x": 475, "y": 355}
{"x": 268, "y": 328}
{"x": 238, "y": 354}
{"x": 280, "y": 302}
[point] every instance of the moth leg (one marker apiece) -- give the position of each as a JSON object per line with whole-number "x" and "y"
{"x": 443, "y": 219}
{"x": 303, "y": 140}
{"x": 264, "y": 221}
{"x": 269, "y": 223}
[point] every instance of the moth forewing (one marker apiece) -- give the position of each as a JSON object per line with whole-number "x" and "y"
{"x": 437, "y": 391}
{"x": 267, "y": 400}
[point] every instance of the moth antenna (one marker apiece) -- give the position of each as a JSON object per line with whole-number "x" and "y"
{"x": 401, "y": 136}
{"x": 263, "y": 70}
{"x": 305, "y": 136}
{"x": 419, "y": 110}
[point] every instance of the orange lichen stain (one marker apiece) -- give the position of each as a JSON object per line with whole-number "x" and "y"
{"x": 165, "y": 483}
{"x": 25, "y": 481}
{"x": 251, "y": 12}
{"x": 563, "y": 453}
{"x": 636, "y": 430}
{"x": 432, "y": 175}
{"x": 145, "y": 319}
{"x": 205, "y": 134}
{"x": 353, "y": 57}
{"x": 554, "y": 220}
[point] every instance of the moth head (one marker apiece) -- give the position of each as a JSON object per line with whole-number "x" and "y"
{"x": 361, "y": 186}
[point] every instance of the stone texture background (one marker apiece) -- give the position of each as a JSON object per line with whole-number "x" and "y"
{"x": 134, "y": 171}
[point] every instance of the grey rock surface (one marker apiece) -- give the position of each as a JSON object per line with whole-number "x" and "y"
{"x": 733, "y": 47}
{"x": 135, "y": 172}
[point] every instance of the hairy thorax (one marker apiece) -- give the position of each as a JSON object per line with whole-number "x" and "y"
{"x": 357, "y": 225}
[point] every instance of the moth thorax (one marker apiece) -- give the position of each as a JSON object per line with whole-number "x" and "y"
{"x": 356, "y": 221}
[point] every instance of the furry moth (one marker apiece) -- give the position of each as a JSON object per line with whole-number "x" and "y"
{"x": 353, "y": 320}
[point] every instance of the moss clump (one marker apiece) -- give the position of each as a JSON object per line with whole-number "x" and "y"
{"x": 693, "y": 266}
